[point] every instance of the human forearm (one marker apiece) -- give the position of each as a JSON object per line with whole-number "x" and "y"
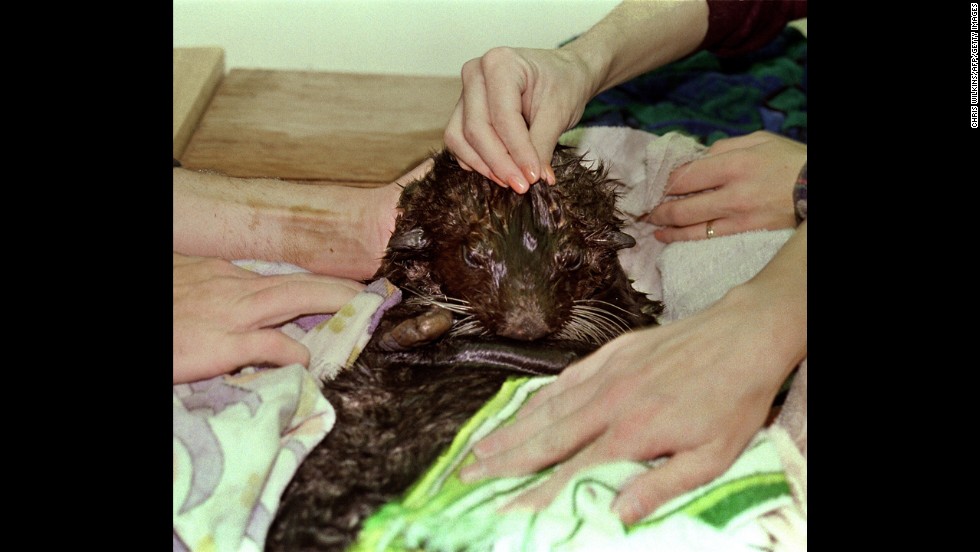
{"x": 334, "y": 230}
{"x": 638, "y": 36}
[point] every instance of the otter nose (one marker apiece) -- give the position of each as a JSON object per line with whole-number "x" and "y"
{"x": 524, "y": 325}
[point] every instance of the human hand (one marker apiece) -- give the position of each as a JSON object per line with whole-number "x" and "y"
{"x": 223, "y": 315}
{"x": 515, "y": 104}
{"x": 696, "y": 390}
{"x": 746, "y": 183}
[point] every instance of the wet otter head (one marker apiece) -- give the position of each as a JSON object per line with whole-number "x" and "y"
{"x": 526, "y": 267}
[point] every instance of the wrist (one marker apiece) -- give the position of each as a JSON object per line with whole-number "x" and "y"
{"x": 779, "y": 321}
{"x": 334, "y": 229}
{"x": 636, "y": 37}
{"x": 776, "y": 298}
{"x": 593, "y": 63}
{"x": 386, "y": 215}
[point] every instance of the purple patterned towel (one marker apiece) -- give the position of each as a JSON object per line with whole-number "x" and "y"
{"x": 238, "y": 439}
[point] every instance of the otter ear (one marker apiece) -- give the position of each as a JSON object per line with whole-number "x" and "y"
{"x": 616, "y": 240}
{"x": 411, "y": 241}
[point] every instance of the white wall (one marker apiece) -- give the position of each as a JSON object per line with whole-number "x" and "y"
{"x": 417, "y": 37}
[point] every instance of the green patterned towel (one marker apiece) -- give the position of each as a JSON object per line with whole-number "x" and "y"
{"x": 440, "y": 513}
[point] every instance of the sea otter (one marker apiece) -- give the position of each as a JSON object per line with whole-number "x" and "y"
{"x": 495, "y": 284}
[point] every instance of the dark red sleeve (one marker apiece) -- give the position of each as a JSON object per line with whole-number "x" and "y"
{"x": 741, "y": 26}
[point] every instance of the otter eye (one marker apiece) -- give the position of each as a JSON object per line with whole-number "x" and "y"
{"x": 569, "y": 259}
{"x": 473, "y": 258}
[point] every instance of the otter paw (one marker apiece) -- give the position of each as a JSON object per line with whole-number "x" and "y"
{"x": 416, "y": 331}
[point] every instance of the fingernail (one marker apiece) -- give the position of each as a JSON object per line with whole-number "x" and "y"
{"x": 625, "y": 509}
{"x": 496, "y": 179}
{"x": 482, "y": 450}
{"x": 471, "y": 473}
{"x": 518, "y": 184}
{"x": 653, "y": 215}
{"x": 550, "y": 175}
{"x": 530, "y": 174}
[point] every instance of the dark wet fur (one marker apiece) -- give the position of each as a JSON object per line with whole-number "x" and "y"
{"x": 519, "y": 262}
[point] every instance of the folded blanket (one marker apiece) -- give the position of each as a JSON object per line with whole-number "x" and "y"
{"x": 237, "y": 442}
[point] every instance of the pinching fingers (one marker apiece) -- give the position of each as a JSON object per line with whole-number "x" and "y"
{"x": 465, "y": 155}
{"x": 480, "y": 134}
{"x": 544, "y": 132}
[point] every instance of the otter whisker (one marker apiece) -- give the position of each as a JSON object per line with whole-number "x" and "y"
{"x": 592, "y": 324}
{"x": 459, "y": 306}
{"x": 468, "y": 326}
{"x": 577, "y": 332}
{"x": 603, "y": 303}
{"x": 604, "y": 314}
{"x": 585, "y": 333}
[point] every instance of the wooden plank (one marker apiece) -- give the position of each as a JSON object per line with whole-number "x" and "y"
{"x": 338, "y": 127}
{"x": 197, "y": 72}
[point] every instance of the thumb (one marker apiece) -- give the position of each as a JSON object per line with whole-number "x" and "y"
{"x": 545, "y": 131}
